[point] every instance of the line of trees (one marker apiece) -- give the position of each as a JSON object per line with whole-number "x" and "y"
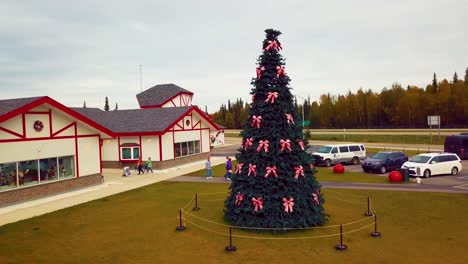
{"x": 394, "y": 107}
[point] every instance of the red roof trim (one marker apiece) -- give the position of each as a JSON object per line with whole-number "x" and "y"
{"x": 11, "y": 132}
{"x": 59, "y": 106}
{"x": 193, "y": 108}
{"x": 159, "y": 105}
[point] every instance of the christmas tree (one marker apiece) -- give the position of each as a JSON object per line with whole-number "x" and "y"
{"x": 274, "y": 184}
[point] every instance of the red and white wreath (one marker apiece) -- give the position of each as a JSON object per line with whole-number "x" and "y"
{"x": 38, "y": 126}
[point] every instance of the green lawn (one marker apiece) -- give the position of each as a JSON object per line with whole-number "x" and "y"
{"x": 139, "y": 227}
{"x": 323, "y": 174}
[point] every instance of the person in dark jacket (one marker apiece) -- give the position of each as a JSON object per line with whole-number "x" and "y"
{"x": 228, "y": 168}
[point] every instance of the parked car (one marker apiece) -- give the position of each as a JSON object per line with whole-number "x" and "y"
{"x": 384, "y": 161}
{"x": 457, "y": 144}
{"x": 340, "y": 153}
{"x": 428, "y": 164}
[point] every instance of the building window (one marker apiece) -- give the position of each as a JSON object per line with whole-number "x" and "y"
{"x": 130, "y": 151}
{"x": 32, "y": 172}
{"x": 8, "y": 176}
{"x": 67, "y": 167}
{"x": 28, "y": 172}
{"x": 187, "y": 148}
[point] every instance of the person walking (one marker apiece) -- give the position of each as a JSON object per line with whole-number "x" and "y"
{"x": 228, "y": 168}
{"x": 208, "y": 168}
{"x": 140, "y": 166}
{"x": 149, "y": 165}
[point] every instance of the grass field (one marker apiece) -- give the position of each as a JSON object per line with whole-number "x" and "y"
{"x": 323, "y": 174}
{"x": 139, "y": 227}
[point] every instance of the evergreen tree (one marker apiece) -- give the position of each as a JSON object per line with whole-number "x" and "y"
{"x": 455, "y": 77}
{"x": 435, "y": 86}
{"x": 116, "y": 107}
{"x": 84, "y": 104}
{"x": 274, "y": 184}
{"x": 466, "y": 76}
{"x": 106, "y": 104}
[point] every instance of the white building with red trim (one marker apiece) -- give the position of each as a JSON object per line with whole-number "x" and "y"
{"x": 49, "y": 148}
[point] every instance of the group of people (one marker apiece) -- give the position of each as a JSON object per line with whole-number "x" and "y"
{"x": 149, "y": 166}
{"x": 228, "y": 166}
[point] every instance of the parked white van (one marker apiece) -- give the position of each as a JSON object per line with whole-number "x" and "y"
{"x": 427, "y": 164}
{"x": 339, "y": 153}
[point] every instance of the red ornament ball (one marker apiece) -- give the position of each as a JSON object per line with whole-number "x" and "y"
{"x": 338, "y": 168}
{"x": 395, "y": 176}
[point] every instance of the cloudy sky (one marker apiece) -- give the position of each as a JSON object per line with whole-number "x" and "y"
{"x": 75, "y": 51}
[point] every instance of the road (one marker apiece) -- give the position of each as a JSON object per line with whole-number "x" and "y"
{"x": 459, "y": 181}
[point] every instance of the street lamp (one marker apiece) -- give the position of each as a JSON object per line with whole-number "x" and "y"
{"x": 303, "y": 102}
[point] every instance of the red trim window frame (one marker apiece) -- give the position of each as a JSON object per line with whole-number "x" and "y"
{"x": 132, "y": 147}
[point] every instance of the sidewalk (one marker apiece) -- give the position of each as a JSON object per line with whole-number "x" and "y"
{"x": 114, "y": 183}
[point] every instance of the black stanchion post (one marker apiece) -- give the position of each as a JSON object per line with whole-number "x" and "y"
{"x": 375, "y": 233}
{"x": 196, "y": 208}
{"x": 368, "y": 213}
{"x": 341, "y": 246}
{"x": 180, "y": 227}
{"x": 230, "y": 248}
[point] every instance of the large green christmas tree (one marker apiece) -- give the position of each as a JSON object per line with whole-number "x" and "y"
{"x": 274, "y": 184}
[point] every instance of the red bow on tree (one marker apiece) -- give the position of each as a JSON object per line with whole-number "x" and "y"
{"x": 264, "y": 145}
{"x": 239, "y": 198}
{"x": 259, "y": 71}
{"x": 316, "y": 200}
{"x": 258, "y": 203}
{"x": 239, "y": 168}
{"x": 253, "y": 98}
{"x": 280, "y": 71}
{"x": 299, "y": 171}
{"x": 248, "y": 143}
{"x": 273, "y": 45}
{"x": 252, "y": 169}
{"x": 285, "y": 144}
{"x": 270, "y": 170}
{"x": 301, "y": 144}
{"x": 256, "y": 119}
{"x": 290, "y": 119}
{"x": 271, "y": 96}
{"x": 288, "y": 204}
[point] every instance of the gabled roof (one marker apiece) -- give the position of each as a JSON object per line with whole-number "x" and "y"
{"x": 140, "y": 121}
{"x": 159, "y": 94}
{"x": 10, "y": 108}
{"x": 8, "y": 105}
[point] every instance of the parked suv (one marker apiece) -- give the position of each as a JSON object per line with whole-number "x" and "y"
{"x": 384, "y": 161}
{"x": 340, "y": 153}
{"x": 457, "y": 144}
{"x": 428, "y": 164}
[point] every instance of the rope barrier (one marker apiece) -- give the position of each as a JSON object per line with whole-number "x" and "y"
{"x": 260, "y": 228}
{"x": 279, "y": 238}
{"x": 372, "y": 207}
{"x": 274, "y": 228}
{"x": 213, "y": 193}
{"x": 189, "y": 203}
